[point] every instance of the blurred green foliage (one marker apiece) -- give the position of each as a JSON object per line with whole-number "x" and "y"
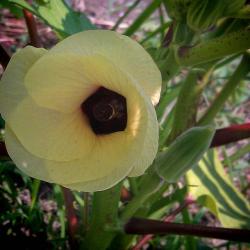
{"x": 32, "y": 213}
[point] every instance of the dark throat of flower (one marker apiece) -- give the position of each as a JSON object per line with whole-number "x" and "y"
{"x": 106, "y": 111}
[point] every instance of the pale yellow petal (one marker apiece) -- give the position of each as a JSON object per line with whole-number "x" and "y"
{"x": 110, "y": 158}
{"x": 69, "y": 79}
{"x": 99, "y": 184}
{"x": 64, "y": 86}
{"x": 117, "y": 151}
{"x": 39, "y": 168}
{"x": 122, "y": 51}
{"x": 12, "y": 89}
{"x": 49, "y": 134}
{"x": 150, "y": 147}
{"x": 103, "y": 168}
{"x": 142, "y": 161}
{"x": 25, "y": 161}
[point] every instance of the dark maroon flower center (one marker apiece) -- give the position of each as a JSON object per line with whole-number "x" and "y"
{"x": 106, "y": 111}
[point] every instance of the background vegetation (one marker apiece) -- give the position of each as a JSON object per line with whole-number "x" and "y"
{"x": 201, "y": 50}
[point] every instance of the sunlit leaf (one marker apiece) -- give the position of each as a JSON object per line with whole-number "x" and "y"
{"x": 59, "y": 16}
{"x": 209, "y": 183}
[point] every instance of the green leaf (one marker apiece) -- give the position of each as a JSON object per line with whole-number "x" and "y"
{"x": 58, "y": 16}
{"x": 13, "y": 9}
{"x": 23, "y": 4}
{"x": 244, "y": 13}
{"x": 184, "y": 153}
{"x": 209, "y": 183}
{"x": 228, "y": 89}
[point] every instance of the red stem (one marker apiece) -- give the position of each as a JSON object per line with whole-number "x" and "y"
{"x": 4, "y": 57}
{"x": 3, "y": 150}
{"x": 168, "y": 218}
{"x": 231, "y": 134}
{"x": 32, "y": 29}
{"x": 71, "y": 217}
{"x": 146, "y": 226}
{"x": 169, "y": 36}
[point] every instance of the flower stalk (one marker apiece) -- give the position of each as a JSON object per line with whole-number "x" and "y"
{"x": 150, "y": 183}
{"x": 104, "y": 214}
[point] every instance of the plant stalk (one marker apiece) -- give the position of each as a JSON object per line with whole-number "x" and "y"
{"x": 32, "y": 29}
{"x": 104, "y": 215}
{"x": 168, "y": 218}
{"x": 146, "y": 226}
{"x": 4, "y": 57}
{"x": 230, "y": 134}
{"x": 71, "y": 217}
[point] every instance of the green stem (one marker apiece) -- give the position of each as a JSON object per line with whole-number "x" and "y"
{"x": 185, "y": 108}
{"x": 169, "y": 68}
{"x": 161, "y": 17}
{"x": 189, "y": 240}
{"x": 220, "y": 47}
{"x": 161, "y": 29}
{"x": 166, "y": 99}
{"x": 35, "y": 190}
{"x": 187, "y": 102}
{"x": 104, "y": 215}
{"x": 238, "y": 154}
{"x": 239, "y": 74}
{"x": 86, "y": 211}
{"x": 150, "y": 183}
{"x": 142, "y": 17}
{"x": 120, "y": 20}
{"x": 133, "y": 186}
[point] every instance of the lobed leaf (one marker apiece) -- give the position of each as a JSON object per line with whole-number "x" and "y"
{"x": 58, "y": 16}
{"x": 209, "y": 183}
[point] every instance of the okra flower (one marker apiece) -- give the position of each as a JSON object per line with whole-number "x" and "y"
{"x": 81, "y": 114}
